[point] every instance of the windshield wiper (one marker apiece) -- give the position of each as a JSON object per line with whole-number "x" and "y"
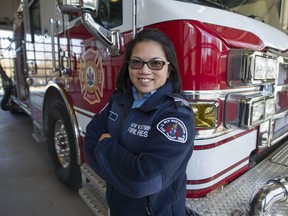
{"x": 217, "y": 4}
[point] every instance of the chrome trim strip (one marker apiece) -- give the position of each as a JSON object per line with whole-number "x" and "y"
{"x": 214, "y": 94}
{"x": 134, "y": 17}
{"x": 281, "y": 115}
{"x": 279, "y": 138}
{"x": 22, "y": 105}
{"x": 208, "y": 134}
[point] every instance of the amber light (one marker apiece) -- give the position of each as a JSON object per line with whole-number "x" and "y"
{"x": 205, "y": 115}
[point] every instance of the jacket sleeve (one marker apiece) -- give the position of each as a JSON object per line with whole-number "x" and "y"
{"x": 161, "y": 162}
{"x": 95, "y": 128}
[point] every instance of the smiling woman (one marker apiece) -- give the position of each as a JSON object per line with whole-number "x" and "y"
{"x": 142, "y": 140}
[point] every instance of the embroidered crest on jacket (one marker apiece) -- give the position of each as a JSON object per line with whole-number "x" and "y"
{"x": 174, "y": 129}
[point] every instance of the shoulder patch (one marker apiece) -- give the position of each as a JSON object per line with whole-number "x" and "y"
{"x": 174, "y": 129}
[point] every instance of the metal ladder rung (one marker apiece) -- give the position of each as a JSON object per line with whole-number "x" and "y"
{"x": 97, "y": 181}
{"x": 95, "y": 201}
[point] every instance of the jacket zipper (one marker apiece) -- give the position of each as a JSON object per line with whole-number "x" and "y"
{"x": 149, "y": 209}
{"x": 174, "y": 194}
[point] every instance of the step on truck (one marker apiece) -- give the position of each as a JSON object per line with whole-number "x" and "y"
{"x": 233, "y": 58}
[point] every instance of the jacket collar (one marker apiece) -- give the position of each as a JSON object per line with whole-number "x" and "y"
{"x": 151, "y": 104}
{"x": 156, "y": 100}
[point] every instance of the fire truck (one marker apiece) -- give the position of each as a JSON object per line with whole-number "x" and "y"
{"x": 233, "y": 58}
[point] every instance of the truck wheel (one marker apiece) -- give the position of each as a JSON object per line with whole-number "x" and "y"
{"x": 62, "y": 147}
{"x": 14, "y": 108}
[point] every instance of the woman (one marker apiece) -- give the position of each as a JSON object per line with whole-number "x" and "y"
{"x": 141, "y": 142}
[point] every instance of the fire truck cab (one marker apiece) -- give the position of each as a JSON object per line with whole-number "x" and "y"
{"x": 234, "y": 65}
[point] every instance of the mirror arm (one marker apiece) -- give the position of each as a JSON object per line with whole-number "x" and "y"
{"x": 102, "y": 33}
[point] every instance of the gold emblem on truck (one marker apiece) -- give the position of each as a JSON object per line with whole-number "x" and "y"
{"x": 91, "y": 76}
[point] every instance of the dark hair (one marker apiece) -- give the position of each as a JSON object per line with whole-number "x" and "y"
{"x": 123, "y": 80}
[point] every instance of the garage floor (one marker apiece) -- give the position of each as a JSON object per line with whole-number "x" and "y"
{"x": 28, "y": 184}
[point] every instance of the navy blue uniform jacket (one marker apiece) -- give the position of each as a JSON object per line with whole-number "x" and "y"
{"x": 144, "y": 162}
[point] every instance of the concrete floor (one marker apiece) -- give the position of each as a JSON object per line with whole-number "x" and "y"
{"x": 28, "y": 184}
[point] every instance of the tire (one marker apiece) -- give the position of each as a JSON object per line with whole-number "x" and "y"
{"x": 14, "y": 108}
{"x": 62, "y": 146}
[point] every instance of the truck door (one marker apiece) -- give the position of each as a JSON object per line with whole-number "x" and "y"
{"x": 20, "y": 73}
{"x": 87, "y": 59}
{"x": 38, "y": 51}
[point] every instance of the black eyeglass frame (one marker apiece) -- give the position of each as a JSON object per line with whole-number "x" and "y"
{"x": 147, "y": 63}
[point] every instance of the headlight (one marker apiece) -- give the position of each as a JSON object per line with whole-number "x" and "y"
{"x": 260, "y": 65}
{"x": 257, "y": 112}
{"x": 269, "y": 107}
{"x": 246, "y": 67}
{"x": 264, "y": 68}
{"x": 249, "y": 109}
{"x": 271, "y": 69}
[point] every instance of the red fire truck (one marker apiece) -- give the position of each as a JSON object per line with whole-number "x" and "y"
{"x": 233, "y": 58}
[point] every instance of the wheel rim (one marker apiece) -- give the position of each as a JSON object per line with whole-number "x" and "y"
{"x": 61, "y": 143}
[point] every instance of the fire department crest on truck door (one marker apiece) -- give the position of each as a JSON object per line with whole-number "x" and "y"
{"x": 91, "y": 76}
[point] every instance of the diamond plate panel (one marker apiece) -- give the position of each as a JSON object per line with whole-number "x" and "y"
{"x": 281, "y": 157}
{"x": 236, "y": 195}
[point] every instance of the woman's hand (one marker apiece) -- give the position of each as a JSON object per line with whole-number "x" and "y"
{"x": 105, "y": 135}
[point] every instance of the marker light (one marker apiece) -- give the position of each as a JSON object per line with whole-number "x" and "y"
{"x": 205, "y": 115}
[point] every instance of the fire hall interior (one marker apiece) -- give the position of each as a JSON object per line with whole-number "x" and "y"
{"x": 28, "y": 184}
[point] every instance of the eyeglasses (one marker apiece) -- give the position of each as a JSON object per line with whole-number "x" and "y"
{"x": 152, "y": 64}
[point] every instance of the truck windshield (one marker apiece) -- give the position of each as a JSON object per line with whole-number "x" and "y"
{"x": 268, "y": 11}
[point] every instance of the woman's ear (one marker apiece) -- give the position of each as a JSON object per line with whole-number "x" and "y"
{"x": 169, "y": 71}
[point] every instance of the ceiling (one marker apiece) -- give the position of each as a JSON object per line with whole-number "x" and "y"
{"x": 9, "y": 7}
{"x": 7, "y": 10}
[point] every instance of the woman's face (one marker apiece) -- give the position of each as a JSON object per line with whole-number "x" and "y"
{"x": 145, "y": 79}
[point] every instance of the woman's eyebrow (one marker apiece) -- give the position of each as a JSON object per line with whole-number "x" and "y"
{"x": 154, "y": 58}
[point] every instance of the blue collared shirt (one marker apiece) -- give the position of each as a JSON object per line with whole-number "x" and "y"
{"x": 137, "y": 101}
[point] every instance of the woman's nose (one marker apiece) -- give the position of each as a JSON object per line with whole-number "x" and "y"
{"x": 145, "y": 69}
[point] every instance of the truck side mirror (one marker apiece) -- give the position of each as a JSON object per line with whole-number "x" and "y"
{"x": 72, "y": 7}
{"x": 88, "y": 9}
{"x": 69, "y": 7}
{"x": 93, "y": 5}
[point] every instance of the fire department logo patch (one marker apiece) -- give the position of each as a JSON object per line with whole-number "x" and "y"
{"x": 91, "y": 76}
{"x": 174, "y": 129}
